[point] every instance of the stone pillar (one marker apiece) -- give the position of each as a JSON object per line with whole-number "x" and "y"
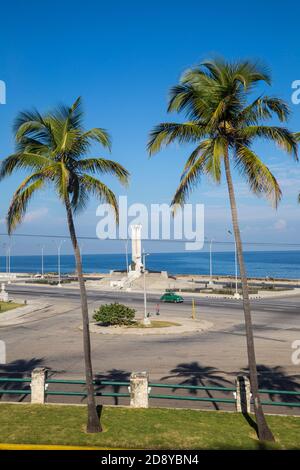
{"x": 38, "y": 385}
{"x": 136, "y": 246}
{"x": 139, "y": 390}
{"x": 3, "y": 293}
{"x": 243, "y": 394}
{"x": 2, "y": 352}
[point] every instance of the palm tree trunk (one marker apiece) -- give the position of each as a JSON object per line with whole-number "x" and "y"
{"x": 93, "y": 423}
{"x": 264, "y": 433}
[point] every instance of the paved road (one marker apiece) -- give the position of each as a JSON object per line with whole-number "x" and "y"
{"x": 54, "y": 340}
{"x": 290, "y": 305}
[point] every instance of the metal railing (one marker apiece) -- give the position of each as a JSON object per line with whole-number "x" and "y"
{"x": 192, "y": 388}
{"x": 174, "y": 387}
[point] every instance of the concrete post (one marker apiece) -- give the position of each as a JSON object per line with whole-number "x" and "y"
{"x": 139, "y": 390}
{"x": 243, "y": 394}
{"x": 3, "y": 293}
{"x": 38, "y": 385}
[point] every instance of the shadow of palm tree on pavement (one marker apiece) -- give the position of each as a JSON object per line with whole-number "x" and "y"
{"x": 196, "y": 374}
{"x": 112, "y": 375}
{"x": 276, "y": 378}
{"x": 20, "y": 369}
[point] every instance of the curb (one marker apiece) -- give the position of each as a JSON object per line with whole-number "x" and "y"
{"x": 185, "y": 326}
{"x": 50, "y": 447}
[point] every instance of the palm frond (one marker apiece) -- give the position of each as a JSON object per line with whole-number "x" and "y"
{"x": 297, "y": 136}
{"x": 22, "y": 161}
{"x": 53, "y": 146}
{"x": 165, "y": 133}
{"x": 280, "y": 135}
{"x": 101, "y": 191}
{"x": 250, "y": 72}
{"x": 21, "y": 199}
{"x": 70, "y": 115}
{"x": 190, "y": 178}
{"x": 98, "y": 134}
{"x": 213, "y": 165}
{"x": 215, "y": 99}
{"x": 204, "y": 145}
{"x": 263, "y": 108}
{"x": 102, "y": 165}
{"x": 258, "y": 176}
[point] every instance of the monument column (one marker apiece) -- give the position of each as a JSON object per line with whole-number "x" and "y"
{"x": 136, "y": 244}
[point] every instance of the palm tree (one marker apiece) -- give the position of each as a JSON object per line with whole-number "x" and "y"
{"x": 51, "y": 149}
{"x": 223, "y": 122}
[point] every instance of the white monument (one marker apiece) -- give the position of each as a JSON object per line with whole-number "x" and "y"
{"x": 135, "y": 269}
{"x": 136, "y": 247}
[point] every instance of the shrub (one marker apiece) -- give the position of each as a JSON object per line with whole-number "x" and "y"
{"x": 114, "y": 314}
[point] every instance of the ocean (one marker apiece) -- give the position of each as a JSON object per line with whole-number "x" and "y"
{"x": 279, "y": 264}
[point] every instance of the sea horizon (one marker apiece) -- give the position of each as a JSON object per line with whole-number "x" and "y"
{"x": 283, "y": 264}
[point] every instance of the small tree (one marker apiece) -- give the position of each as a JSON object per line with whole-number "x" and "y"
{"x": 114, "y": 314}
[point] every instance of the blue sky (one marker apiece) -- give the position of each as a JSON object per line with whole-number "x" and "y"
{"x": 122, "y": 58}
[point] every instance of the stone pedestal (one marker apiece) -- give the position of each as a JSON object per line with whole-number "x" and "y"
{"x": 243, "y": 394}
{"x": 2, "y": 352}
{"x": 3, "y": 294}
{"x": 139, "y": 390}
{"x": 38, "y": 385}
{"x": 237, "y": 296}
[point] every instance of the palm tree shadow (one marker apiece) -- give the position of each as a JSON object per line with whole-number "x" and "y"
{"x": 195, "y": 374}
{"x": 251, "y": 422}
{"x": 112, "y": 375}
{"x": 274, "y": 378}
{"x": 20, "y": 369}
{"x": 277, "y": 379}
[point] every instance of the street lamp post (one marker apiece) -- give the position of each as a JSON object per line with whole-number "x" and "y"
{"x": 210, "y": 261}
{"x": 5, "y": 258}
{"x": 236, "y": 269}
{"x": 59, "y": 245}
{"x": 81, "y": 255}
{"x": 8, "y": 262}
{"x": 8, "y": 257}
{"x": 146, "y": 320}
{"x": 42, "y": 262}
{"x": 42, "y": 247}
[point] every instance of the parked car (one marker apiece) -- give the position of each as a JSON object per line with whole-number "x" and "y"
{"x": 171, "y": 297}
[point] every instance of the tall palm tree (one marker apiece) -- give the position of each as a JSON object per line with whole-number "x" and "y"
{"x": 52, "y": 148}
{"x": 223, "y": 122}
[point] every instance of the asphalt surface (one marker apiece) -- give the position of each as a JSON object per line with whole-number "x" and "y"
{"x": 290, "y": 305}
{"x": 53, "y": 339}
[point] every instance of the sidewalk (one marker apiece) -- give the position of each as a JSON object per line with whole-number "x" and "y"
{"x": 19, "y": 314}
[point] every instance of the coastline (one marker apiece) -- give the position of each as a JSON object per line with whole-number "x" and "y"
{"x": 282, "y": 266}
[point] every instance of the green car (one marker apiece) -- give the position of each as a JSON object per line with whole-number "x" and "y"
{"x": 171, "y": 297}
